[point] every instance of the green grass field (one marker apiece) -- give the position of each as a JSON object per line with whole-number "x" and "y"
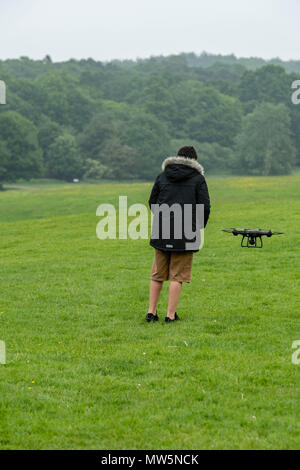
{"x": 85, "y": 371}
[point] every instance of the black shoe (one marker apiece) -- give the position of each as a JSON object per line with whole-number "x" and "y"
{"x": 168, "y": 319}
{"x": 150, "y": 317}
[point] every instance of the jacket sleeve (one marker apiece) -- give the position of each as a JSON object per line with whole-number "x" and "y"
{"x": 202, "y": 197}
{"x": 154, "y": 193}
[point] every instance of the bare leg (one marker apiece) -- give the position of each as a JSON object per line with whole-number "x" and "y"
{"x": 155, "y": 288}
{"x": 174, "y": 294}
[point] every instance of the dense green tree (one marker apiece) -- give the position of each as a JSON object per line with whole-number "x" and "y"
{"x": 215, "y": 118}
{"x": 267, "y": 84}
{"x": 215, "y": 158}
{"x": 128, "y": 113}
{"x": 64, "y": 102}
{"x": 121, "y": 160}
{"x": 185, "y": 95}
{"x": 48, "y": 131}
{"x": 31, "y": 98}
{"x": 271, "y": 84}
{"x": 150, "y": 139}
{"x": 64, "y": 159}
{"x": 99, "y": 129}
{"x": 4, "y": 159}
{"x": 20, "y": 155}
{"x": 96, "y": 170}
{"x": 157, "y": 99}
{"x": 126, "y": 133}
{"x": 264, "y": 145}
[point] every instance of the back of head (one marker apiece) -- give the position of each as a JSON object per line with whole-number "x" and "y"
{"x": 187, "y": 152}
{"x": 184, "y": 166}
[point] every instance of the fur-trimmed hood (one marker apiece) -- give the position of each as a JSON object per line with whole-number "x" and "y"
{"x": 183, "y": 161}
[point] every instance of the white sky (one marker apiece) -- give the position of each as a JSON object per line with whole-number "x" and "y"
{"x": 120, "y": 29}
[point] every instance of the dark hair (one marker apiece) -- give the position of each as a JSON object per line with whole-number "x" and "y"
{"x": 187, "y": 152}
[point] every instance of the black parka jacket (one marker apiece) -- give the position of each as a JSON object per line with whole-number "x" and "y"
{"x": 181, "y": 182}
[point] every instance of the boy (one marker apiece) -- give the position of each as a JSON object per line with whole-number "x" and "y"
{"x": 182, "y": 184}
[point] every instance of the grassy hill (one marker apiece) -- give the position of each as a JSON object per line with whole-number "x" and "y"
{"x": 84, "y": 370}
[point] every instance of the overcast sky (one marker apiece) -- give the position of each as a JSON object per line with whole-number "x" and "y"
{"x": 120, "y": 29}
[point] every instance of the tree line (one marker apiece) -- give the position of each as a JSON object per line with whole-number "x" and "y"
{"x": 120, "y": 119}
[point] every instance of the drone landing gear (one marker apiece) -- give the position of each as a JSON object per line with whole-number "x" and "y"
{"x": 251, "y": 241}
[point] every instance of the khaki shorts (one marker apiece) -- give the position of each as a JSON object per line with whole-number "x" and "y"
{"x": 172, "y": 266}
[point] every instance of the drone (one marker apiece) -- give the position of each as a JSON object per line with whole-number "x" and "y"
{"x": 252, "y": 236}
